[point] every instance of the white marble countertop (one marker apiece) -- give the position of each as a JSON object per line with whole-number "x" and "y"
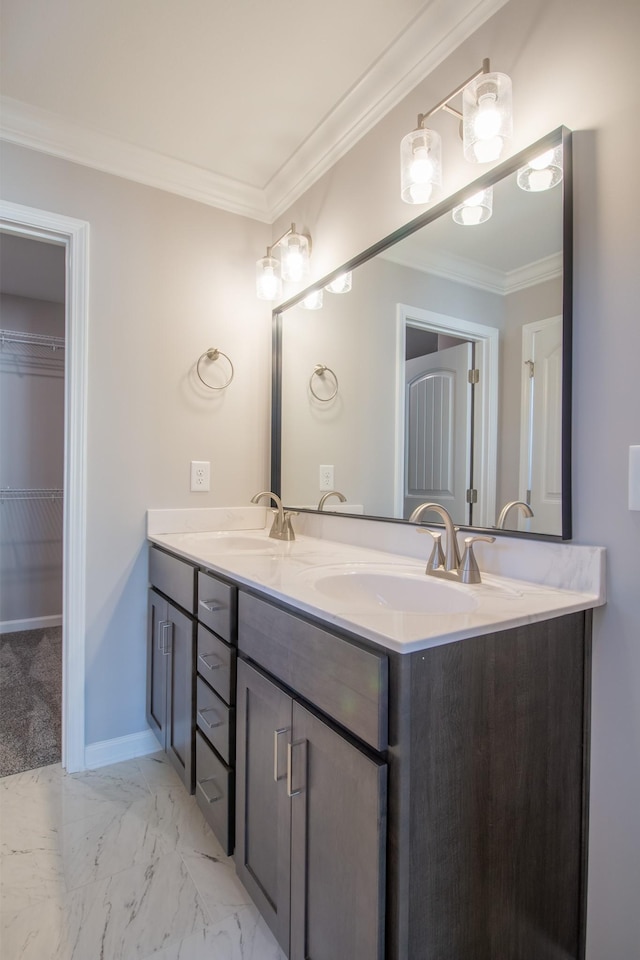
{"x": 241, "y": 550}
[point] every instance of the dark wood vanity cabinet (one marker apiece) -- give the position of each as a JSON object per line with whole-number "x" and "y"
{"x": 170, "y": 660}
{"x": 311, "y": 825}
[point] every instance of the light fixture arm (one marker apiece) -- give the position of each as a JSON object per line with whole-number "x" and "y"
{"x": 444, "y": 104}
{"x": 287, "y": 233}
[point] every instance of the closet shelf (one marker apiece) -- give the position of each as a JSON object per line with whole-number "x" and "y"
{"x": 31, "y": 340}
{"x": 30, "y": 493}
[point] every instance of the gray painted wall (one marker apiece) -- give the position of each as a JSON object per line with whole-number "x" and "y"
{"x": 31, "y": 456}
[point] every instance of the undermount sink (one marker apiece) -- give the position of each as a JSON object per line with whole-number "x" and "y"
{"x": 393, "y": 590}
{"x": 241, "y": 543}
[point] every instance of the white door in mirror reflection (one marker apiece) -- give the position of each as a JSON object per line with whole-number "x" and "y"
{"x": 541, "y": 426}
{"x": 438, "y": 431}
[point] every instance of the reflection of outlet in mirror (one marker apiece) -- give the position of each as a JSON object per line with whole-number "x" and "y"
{"x": 200, "y": 476}
{"x": 326, "y": 476}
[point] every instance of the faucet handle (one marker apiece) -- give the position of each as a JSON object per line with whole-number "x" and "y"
{"x": 287, "y": 531}
{"x": 469, "y": 570}
{"x": 436, "y": 560}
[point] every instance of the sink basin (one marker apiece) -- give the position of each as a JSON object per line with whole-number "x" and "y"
{"x": 241, "y": 543}
{"x": 396, "y": 591}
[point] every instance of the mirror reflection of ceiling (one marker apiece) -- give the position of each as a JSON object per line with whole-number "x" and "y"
{"x": 525, "y": 229}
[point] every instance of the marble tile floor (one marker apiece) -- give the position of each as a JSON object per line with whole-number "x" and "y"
{"x": 118, "y": 864}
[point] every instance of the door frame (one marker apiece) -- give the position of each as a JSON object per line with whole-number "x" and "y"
{"x": 73, "y": 234}
{"x": 485, "y": 425}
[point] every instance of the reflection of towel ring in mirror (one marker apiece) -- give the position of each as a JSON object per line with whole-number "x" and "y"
{"x": 212, "y": 354}
{"x": 319, "y": 371}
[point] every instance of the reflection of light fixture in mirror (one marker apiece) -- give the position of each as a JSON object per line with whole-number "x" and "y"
{"x": 475, "y": 209}
{"x": 543, "y": 172}
{"x": 340, "y": 284}
{"x": 486, "y": 128}
{"x": 295, "y": 249}
{"x": 313, "y": 301}
{"x": 487, "y": 122}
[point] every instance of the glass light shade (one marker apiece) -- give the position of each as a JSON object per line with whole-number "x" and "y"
{"x": 420, "y": 166}
{"x": 542, "y": 172}
{"x": 341, "y": 284}
{"x": 313, "y": 301}
{"x": 268, "y": 279}
{"x": 295, "y": 257}
{"x": 487, "y": 122}
{"x": 475, "y": 209}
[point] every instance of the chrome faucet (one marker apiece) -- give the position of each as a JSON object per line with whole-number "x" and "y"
{"x": 451, "y": 552}
{"x": 331, "y": 493}
{"x": 448, "y": 564}
{"x": 523, "y": 507}
{"x": 281, "y": 528}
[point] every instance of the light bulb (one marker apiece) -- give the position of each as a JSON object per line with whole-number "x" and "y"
{"x": 475, "y": 209}
{"x": 295, "y": 258}
{"x": 268, "y": 281}
{"x": 486, "y": 117}
{"x": 341, "y": 284}
{"x": 487, "y": 121}
{"x": 420, "y": 165}
{"x": 540, "y": 180}
{"x": 313, "y": 301}
{"x": 420, "y": 192}
{"x": 421, "y": 170}
{"x": 539, "y": 163}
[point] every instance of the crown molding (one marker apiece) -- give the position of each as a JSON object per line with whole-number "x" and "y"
{"x": 426, "y": 42}
{"x": 477, "y": 275}
{"x": 51, "y": 133}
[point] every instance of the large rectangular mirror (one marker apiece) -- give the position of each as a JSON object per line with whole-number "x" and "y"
{"x": 444, "y": 373}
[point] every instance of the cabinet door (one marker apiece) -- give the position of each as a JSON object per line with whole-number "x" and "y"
{"x": 157, "y": 652}
{"x": 338, "y": 840}
{"x": 263, "y": 819}
{"x": 181, "y": 673}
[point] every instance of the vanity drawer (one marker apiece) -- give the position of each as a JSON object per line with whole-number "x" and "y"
{"x": 217, "y": 664}
{"x": 173, "y": 577}
{"x": 217, "y": 605}
{"x": 215, "y": 793}
{"x": 215, "y": 720}
{"x": 345, "y": 681}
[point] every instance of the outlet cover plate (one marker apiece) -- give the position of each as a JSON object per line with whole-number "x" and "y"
{"x": 200, "y": 476}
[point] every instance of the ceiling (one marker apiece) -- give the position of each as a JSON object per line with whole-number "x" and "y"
{"x": 241, "y": 105}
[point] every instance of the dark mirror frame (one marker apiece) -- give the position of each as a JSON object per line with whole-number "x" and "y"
{"x": 562, "y": 135}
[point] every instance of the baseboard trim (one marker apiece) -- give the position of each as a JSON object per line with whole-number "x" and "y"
{"x": 34, "y": 623}
{"x": 104, "y": 752}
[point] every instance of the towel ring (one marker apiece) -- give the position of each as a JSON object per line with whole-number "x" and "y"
{"x": 319, "y": 371}
{"x": 212, "y": 354}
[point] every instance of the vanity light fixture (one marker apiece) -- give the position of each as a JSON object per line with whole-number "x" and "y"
{"x": 341, "y": 283}
{"x": 293, "y": 265}
{"x": 541, "y": 173}
{"x": 475, "y": 209}
{"x": 313, "y": 301}
{"x": 486, "y": 124}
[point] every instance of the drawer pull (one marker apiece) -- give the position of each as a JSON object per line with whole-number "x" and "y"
{"x": 212, "y": 605}
{"x": 209, "y": 799}
{"x": 204, "y": 659}
{"x": 290, "y": 791}
{"x": 276, "y": 735}
{"x": 212, "y": 726}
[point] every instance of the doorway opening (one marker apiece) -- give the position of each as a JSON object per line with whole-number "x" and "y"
{"x": 72, "y": 235}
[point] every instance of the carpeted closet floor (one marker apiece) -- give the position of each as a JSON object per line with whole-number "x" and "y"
{"x": 30, "y": 699}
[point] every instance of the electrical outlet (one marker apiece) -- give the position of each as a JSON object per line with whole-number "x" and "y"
{"x": 200, "y": 476}
{"x": 326, "y": 476}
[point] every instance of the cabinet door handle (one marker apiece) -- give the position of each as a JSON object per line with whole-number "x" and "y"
{"x": 167, "y": 628}
{"x": 212, "y": 605}
{"x": 295, "y": 743}
{"x": 208, "y": 798}
{"x": 217, "y": 723}
{"x": 203, "y": 659}
{"x": 276, "y": 739}
{"x": 161, "y": 626}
